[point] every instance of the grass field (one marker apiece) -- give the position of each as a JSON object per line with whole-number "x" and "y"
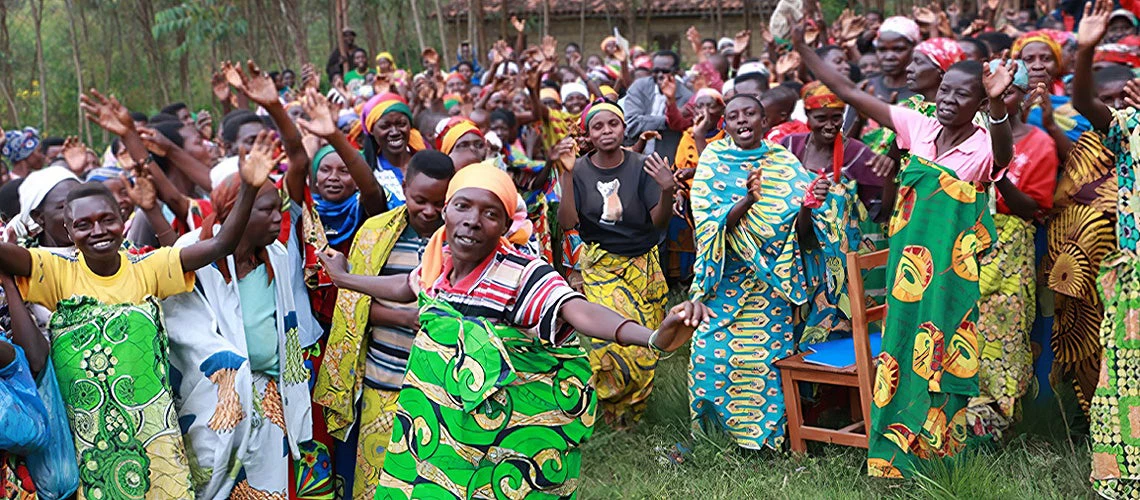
{"x": 1040, "y": 461}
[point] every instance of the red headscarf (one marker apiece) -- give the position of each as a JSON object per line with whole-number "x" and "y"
{"x": 943, "y": 51}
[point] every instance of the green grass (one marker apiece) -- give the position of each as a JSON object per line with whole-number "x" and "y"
{"x": 1041, "y": 460}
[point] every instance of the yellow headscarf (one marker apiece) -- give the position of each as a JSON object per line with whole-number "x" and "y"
{"x": 385, "y": 55}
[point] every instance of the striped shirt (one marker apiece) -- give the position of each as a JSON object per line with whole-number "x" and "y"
{"x": 389, "y": 345}
{"x": 511, "y": 289}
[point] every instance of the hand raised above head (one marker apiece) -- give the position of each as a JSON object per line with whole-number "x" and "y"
{"x": 256, "y": 164}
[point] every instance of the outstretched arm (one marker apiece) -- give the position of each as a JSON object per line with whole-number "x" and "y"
{"x": 254, "y": 171}
{"x": 1093, "y": 26}
{"x": 321, "y": 123}
{"x": 843, "y": 87}
{"x": 395, "y": 288}
{"x": 600, "y": 322}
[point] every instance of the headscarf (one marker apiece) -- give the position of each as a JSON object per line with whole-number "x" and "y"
{"x": 346, "y": 117}
{"x": 549, "y": 93}
{"x": 505, "y": 69}
{"x": 606, "y": 90}
{"x": 1020, "y": 75}
{"x": 223, "y": 198}
{"x": 454, "y": 129}
{"x": 752, "y": 67}
{"x": 1040, "y": 36}
{"x": 20, "y": 144}
{"x": 482, "y": 175}
{"x": 32, "y": 193}
{"x": 900, "y": 25}
{"x": 452, "y": 100}
{"x": 724, "y": 43}
{"x": 943, "y": 51}
{"x": 455, "y": 75}
{"x": 816, "y": 95}
{"x": 105, "y": 173}
{"x": 606, "y": 41}
{"x": 1126, "y": 51}
{"x": 597, "y": 107}
{"x": 707, "y": 91}
{"x": 380, "y": 105}
{"x": 569, "y": 89}
{"x": 388, "y": 56}
{"x": 340, "y": 219}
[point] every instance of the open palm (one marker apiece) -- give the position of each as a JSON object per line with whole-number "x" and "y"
{"x": 1094, "y": 24}
{"x": 320, "y": 120}
{"x": 107, "y": 112}
{"x": 260, "y": 160}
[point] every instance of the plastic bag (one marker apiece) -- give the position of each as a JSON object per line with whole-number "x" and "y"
{"x": 54, "y": 470}
{"x": 22, "y": 415}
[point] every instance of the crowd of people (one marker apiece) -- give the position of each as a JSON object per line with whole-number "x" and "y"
{"x": 369, "y": 283}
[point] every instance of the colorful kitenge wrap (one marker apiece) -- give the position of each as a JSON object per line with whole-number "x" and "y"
{"x": 682, "y": 250}
{"x": 1126, "y": 51}
{"x": 340, "y": 384}
{"x": 943, "y": 51}
{"x": 453, "y": 131}
{"x": 1115, "y": 413}
{"x": 928, "y": 368}
{"x": 1005, "y": 316}
{"x": 487, "y": 412}
{"x": 114, "y": 377}
{"x": 20, "y": 144}
{"x": 634, "y": 287}
{"x": 1080, "y": 236}
{"x": 753, "y": 278}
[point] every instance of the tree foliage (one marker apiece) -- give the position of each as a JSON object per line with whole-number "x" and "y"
{"x": 200, "y": 23}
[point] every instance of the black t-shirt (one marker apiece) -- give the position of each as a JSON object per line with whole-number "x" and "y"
{"x": 880, "y": 89}
{"x": 614, "y": 203}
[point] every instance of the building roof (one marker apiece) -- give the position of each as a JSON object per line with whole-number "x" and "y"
{"x": 458, "y": 9}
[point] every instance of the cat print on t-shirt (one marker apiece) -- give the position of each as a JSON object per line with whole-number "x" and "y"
{"x": 611, "y": 202}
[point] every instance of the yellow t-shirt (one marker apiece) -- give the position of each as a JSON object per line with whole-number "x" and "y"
{"x": 56, "y": 277}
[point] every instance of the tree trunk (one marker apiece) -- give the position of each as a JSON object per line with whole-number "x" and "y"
{"x": 546, "y": 18}
{"x": 295, "y": 21}
{"x": 443, "y": 34}
{"x": 630, "y": 23}
{"x": 416, "y": 24}
{"x": 582, "y": 26}
{"x": 270, "y": 30}
{"x": 479, "y": 42}
{"x": 144, "y": 16}
{"x": 37, "y": 21}
{"x": 75, "y": 59}
{"x": 6, "y": 67}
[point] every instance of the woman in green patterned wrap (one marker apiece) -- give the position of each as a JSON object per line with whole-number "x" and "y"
{"x": 497, "y": 397}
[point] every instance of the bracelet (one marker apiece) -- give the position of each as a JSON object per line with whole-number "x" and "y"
{"x": 617, "y": 332}
{"x": 661, "y": 353}
{"x": 998, "y": 122}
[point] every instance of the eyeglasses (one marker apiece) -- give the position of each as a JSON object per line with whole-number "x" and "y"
{"x": 662, "y": 71}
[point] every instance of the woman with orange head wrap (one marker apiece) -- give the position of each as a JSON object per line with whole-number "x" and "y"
{"x": 511, "y": 319}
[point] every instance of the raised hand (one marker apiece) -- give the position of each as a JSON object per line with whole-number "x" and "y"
{"x": 256, "y": 85}
{"x": 220, "y": 87}
{"x": 694, "y": 38}
{"x": 649, "y": 135}
{"x": 566, "y": 151}
{"x": 741, "y": 41}
{"x": 1131, "y": 93}
{"x": 500, "y": 52}
{"x": 788, "y": 63}
{"x": 701, "y": 123}
{"x": 519, "y": 24}
{"x": 74, "y": 153}
{"x": 998, "y": 78}
{"x": 334, "y": 262}
{"x": 155, "y": 142}
{"x": 576, "y": 60}
{"x": 320, "y": 122}
{"x": 658, "y": 168}
{"x": 310, "y": 77}
{"x": 204, "y": 124}
{"x": 1041, "y": 97}
{"x": 142, "y": 191}
{"x": 669, "y": 87}
{"x": 1094, "y": 24}
{"x": 679, "y": 325}
{"x": 550, "y": 48}
{"x": 260, "y": 160}
{"x": 106, "y": 112}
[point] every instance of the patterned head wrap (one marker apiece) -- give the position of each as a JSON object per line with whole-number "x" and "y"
{"x": 1020, "y": 76}
{"x": 1126, "y": 51}
{"x": 20, "y": 144}
{"x": 943, "y": 51}
{"x": 1040, "y": 36}
{"x": 104, "y": 173}
{"x": 816, "y": 95}
{"x": 457, "y": 76}
{"x": 597, "y": 107}
{"x": 380, "y": 105}
{"x": 607, "y": 90}
{"x": 452, "y": 131}
{"x": 483, "y": 175}
{"x": 549, "y": 93}
{"x": 452, "y": 100}
{"x": 900, "y": 25}
{"x": 388, "y": 56}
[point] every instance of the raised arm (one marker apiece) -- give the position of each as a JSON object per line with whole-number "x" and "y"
{"x": 1093, "y": 26}
{"x": 565, "y": 151}
{"x": 254, "y": 171}
{"x": 15, "y": 260}
{"x": 160, "y": 145}
{"x": 996, "y": 78}
{"x": 142, "y": 192}
{"x": 843, "y": 87}
{"x": 658, "y": 168}
{"x": 395, "y": 288}
{"x": 320, "y": 123}
{"x": 260, "y": 89}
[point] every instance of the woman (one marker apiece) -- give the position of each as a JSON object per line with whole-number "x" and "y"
{"x": 516, "y": 429}
{"x": 462, "y": 140}
{"x": 389, "y": 142}
{"x": 1045, "y": 59}
{"x": 928, "y": 366}
{"x": 1008, "y": 295}
{"x": 750, "y": 221}
{"x": 621, "y": 202}
{"x": 235, "y": 340}
{"x": 708, "y": 108}
{"x": 386, "y": 67}
{"x": 825, "y": 152}
{"x": 533, "y": 178}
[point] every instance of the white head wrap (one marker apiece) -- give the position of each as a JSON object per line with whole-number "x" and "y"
{"x": 569, "y": 89}
{"x": 225, "y": 168}
{"x": 32, "y": 193}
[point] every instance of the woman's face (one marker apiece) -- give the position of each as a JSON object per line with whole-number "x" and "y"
{"x": 520, "y": 103}
{"x": 474, "y": 220}
{"x": 959, "y": 97}
{"x": 456, "y": 86}
{"x": 503, "y": 130}
{"x": 1043, "y": 65}
{"x": 922, "y": 74}
{"x": 869, "y": 64}
{"x": 119, "y": 191}
{"x": 1014, "y": 97}
{"x": 713, "y": 107}
{"x": 593, "y": 62}
{"x": 498, "y": 100}
{"x": 575, "y": 103}
{"x": 606, "y": 131}
{"x": 193, "y": 144}
{"x": 466, "y": 71}
{"x": 744, "y": 119}
{"x": 825, "y": 123}
{"x": 265, "y": 219}
{"x": 50, "y": 215}
{"x": 708, "y": 47}
{"x": 384, "y": 65}
{"x": 392, "y": 131}
{"x": 334, "y": 182}
{"x": 838, "y": 60}
{"x": 468, "y": 149}
{"x": 288, "y": 79}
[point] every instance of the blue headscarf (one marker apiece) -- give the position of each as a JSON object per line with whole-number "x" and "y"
{"x": 341, "y": 219}
{"x": 104, "y": 174}
{"x": 1020, "y": 76}
{"x": 20, "y": 144}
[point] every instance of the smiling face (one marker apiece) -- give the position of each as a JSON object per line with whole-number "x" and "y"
{"x": 894, "y": 52}
{"x": 95, "y": 226}
{"x": 475, "y": 220}
{"x": 1043, "y": 65}
{"x": 743, "y": 119}
{"x": 922, "y": 74}
{"x": 334, "y": 183}
{"x": 392, "y": 131}
{"x": 456, "y": 86}
{"x": 959, "y": 97}
{"x": 575, "y": 103}
{"x": 50, "y": 215}
{"x": 606, "y": 131}
{"x": 119, "y": 190}
{"x": 360, "y": 61}
{"x": 708, "y": 47}
{"x": 425, "y": 199}
{"x": 825, "y": 123}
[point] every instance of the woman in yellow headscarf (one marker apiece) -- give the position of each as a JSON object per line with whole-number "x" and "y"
{"x": 386, "y": 66}
{"x": 512, "y": 427}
